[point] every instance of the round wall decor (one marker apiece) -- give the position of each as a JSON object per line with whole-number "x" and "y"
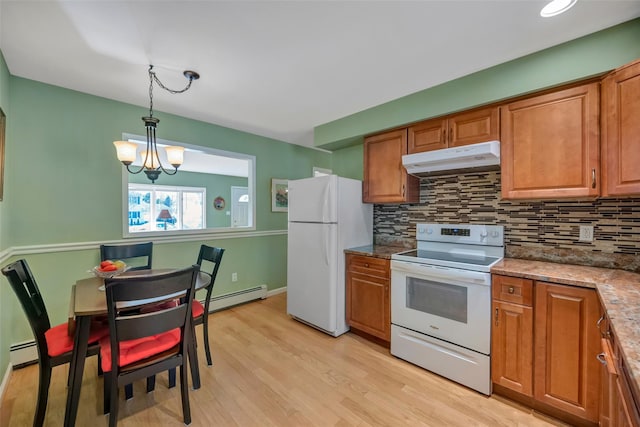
{"x": 218, "y": 203}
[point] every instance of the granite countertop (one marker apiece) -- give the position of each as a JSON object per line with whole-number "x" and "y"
{"x": 377, "y": 251}
{"x": 619, "y": 291}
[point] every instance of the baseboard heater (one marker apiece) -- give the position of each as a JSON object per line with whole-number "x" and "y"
{"x": 23, "y": 354}
{"x": 26, "y": 353}
{"x": 220, "y": 302}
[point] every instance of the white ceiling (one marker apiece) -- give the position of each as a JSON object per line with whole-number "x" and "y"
{"x": 279, "y": 68}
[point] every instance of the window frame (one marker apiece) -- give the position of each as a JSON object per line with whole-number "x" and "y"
{"x": 155, "y": 188}
{"x": 251, "y": 184}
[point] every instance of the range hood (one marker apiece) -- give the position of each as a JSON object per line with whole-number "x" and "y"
{"x": 474, "y": 157}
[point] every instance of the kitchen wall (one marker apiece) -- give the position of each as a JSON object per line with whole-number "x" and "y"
{"x": 545, "y": 230}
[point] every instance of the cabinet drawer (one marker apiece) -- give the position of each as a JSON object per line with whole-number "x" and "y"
{"x": 512, "y": 289}
{"x": 371, "y": 266}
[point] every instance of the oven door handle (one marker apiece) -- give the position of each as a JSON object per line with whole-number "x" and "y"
{"x": 424, "y": 271}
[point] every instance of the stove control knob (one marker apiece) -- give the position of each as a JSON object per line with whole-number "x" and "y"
{"x": 420, "y": 230}
{"x": 483, "y": 235}
{"x": 495, "y": 233}
{"x": 429, "y": 230}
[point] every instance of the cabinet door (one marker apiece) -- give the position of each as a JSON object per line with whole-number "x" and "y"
{"x": 512, "y": 347}
{"x": 474, "y": 126}
{"x": 567, "y": 341}
{"x": 549, "y": 145}
{"x": 621, "y": 131}
{"x": 368, "y": 304}
{"x": 428, "y": 135}
{"x": 385, "y": 179}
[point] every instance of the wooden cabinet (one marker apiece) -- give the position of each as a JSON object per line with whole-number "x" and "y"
{"x": 621, "y": 131}
{"x": 618, "y": 406}
{"x": 566, "y": 370}
{"x": 368, "y": 295}
{"x": 544, "y": 346}
{"x": 471, "y": 127}
{"x": 512, "y": 334}
{"x": 550, "y": 145}
{"x": 385, "y": 179}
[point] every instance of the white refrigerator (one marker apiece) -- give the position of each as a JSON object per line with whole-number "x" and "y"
{"x": 326, "y": 216}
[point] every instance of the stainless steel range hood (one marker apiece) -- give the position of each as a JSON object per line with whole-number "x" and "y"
{"x": 474, "y": 157}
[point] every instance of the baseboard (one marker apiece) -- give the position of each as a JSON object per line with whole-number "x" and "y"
{"x": 5, "y": 381}
{"x": 23, "y": 354}
{"x": 276, "y": 291}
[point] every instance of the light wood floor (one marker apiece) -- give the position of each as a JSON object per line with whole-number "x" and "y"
{"x": 270, "y": 370}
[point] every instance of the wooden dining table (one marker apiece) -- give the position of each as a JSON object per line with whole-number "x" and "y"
{"x": 88, "y": 299}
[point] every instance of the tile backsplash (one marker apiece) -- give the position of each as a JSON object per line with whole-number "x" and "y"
{"x": 544, "y": 230}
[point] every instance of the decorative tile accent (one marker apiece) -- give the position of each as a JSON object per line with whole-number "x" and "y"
{"x": 544, "y": 230}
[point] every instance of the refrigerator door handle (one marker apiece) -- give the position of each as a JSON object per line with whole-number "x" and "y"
{"x": 325, "y": 244}
{"x": 325, "y": 204}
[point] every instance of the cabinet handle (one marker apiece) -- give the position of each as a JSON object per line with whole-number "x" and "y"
{"x": 444, "y": 136}
{"x": 593, "y": 178}
{"x": 496, "y": 317}
{"x": 366, "y": 264}
{"x": 601, "y": 359}
{"x": 402, "y": 190}
{"x": 511, "y": 290}
{"x": 450, "y": 135}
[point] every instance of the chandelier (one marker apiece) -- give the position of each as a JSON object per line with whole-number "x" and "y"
{"x": 151, "y": 165}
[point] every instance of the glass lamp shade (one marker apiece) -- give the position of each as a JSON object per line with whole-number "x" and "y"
{"x": 126, "y": 151}
{"x": 151, "y": 162}
{"x": 175, "y": 155}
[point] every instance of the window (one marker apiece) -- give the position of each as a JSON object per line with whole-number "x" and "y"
{"x": 164, "y": 208}
{"x": 184, "y": 203}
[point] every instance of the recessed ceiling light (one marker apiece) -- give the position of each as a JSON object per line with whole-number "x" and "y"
{"x": 556, "y": 7}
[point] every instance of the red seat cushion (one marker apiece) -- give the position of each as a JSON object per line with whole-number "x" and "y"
{"x": 59, "y": 341}
{"x": 196, "y": 308}
{"x": 135, "y": 350}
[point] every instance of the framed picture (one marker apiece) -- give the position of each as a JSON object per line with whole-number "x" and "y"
{"x": 2, "y": 126}
{"x": 279, "y": 195}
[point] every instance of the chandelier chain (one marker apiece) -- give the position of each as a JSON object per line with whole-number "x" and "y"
{"x": 153, "y": 77}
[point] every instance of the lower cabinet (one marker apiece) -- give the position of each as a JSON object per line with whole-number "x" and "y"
{"x": 544, "y": 347}
{"x": 368, "y": 295}
{"x": 618, "y": 406}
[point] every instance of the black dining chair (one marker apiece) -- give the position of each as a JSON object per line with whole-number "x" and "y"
{"x": 152, "y": 341}
{"x": 140, "y": 255}
{"x": 54, "y": 344}
{"x": 208, "y": 255}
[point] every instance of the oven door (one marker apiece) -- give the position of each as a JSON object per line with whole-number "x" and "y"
{"x": 451, "y": 304}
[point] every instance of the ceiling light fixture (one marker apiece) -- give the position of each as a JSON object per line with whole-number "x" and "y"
{"x": 127, "y": 151}
{"x": 556, "y": 7}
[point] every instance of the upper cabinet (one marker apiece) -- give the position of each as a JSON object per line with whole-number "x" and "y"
{"x": 453, "y": 131}
{"x": 621, "y": 131}
{"x": 385, "y": 179}
{"x": 549, "y": 145}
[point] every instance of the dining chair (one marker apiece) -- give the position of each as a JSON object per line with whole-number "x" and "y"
{"x": 209, "y": 255}
{"x": 140, "y": 253}
{"x": 54, "y": 344}
{"x": 152, "y": 341}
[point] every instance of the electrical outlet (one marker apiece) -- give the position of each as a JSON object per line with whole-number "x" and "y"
{"x": 234, "y": 277}
{"x": 586, "y": 233}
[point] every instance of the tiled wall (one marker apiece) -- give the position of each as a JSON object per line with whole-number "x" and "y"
{"x": 546, "y": 230}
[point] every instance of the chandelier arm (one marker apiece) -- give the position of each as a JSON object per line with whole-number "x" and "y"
{"x": 134, "y": 172}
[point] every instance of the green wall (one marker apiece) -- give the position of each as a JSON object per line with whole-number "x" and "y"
{"x": 577, "y": 59}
